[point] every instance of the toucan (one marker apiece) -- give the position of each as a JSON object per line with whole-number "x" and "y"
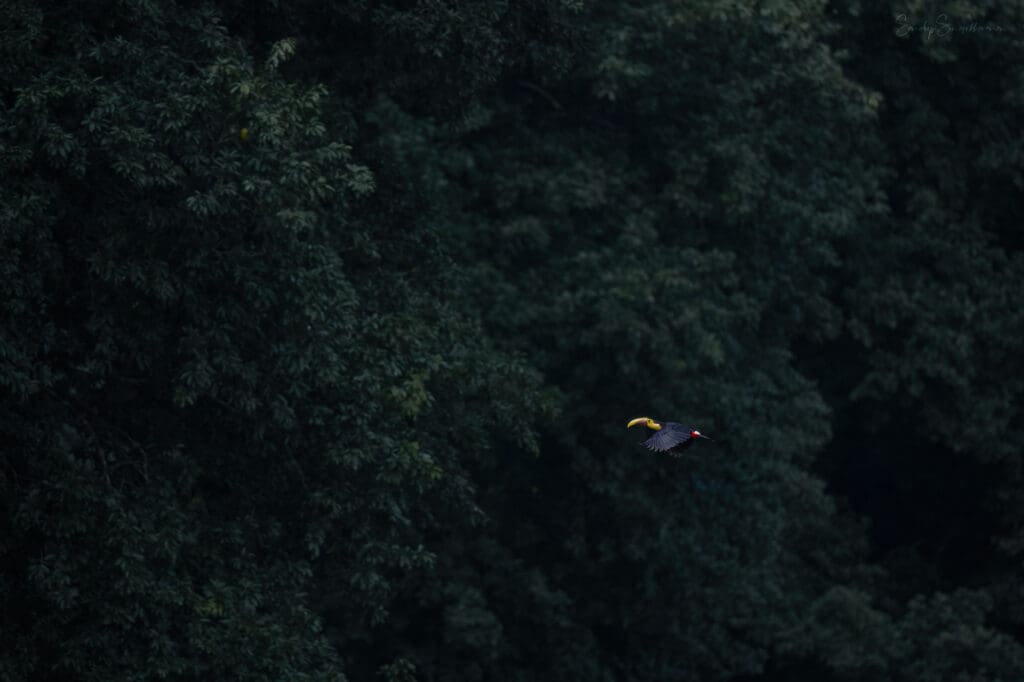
{"x": 668, "y": 437}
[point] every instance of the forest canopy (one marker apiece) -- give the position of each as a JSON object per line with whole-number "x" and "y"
{"x": 322, "y": 322}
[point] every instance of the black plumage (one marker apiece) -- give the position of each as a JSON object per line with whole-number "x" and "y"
{"x": 672, "y": 438}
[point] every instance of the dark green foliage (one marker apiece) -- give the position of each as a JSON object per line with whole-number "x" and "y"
{"x": 322, "y": 324}
{"x": 195, "y": 379}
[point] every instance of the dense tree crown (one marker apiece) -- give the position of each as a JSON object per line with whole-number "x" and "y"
{"x": 322, "y": 322}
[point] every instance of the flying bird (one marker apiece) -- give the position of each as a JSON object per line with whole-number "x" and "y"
{"x": 668, "y": 437}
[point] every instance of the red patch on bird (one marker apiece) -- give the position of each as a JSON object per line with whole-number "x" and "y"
{"x": 693, "y": 434}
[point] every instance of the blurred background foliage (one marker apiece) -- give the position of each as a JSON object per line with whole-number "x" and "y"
{"x": 342, "y": 396}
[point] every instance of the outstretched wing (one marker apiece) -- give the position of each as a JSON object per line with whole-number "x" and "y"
{"x": 670, "y": 436}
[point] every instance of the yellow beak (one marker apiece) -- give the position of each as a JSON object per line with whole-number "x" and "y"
{"x": 646, "y": 421}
